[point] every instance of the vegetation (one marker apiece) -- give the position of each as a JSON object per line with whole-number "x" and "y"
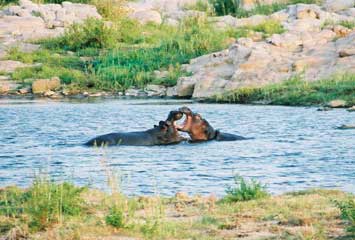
{"x": 43, "y": 204}
{"x": 296, "y": 91}
{"x": 347, "y": 208}
{"x": 245, "y": 191}
{"x": 135, "y": 66}
{"x": 233, "y": 7}
{"x": 48, "y": 210}
{"x": 92, "y": 34}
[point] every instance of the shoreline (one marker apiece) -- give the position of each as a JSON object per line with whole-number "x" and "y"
{"x": 109, "y": 96}
{"x": 93, "y": 214}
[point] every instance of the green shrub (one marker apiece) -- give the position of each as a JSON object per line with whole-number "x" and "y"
{"x": 245, "y": 191}
{"x": 93, "y": 33}
{"x": 43, "y": 204}
{"x": 295, "y": 92}
{"x": 347, "y": 209}
{"x": 49, "y": 203}
{"x": 11, "y": 202}
{"x": 115, "y": 218}
{"x": 269, "y": 27}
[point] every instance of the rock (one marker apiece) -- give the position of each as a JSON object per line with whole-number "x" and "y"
{"x": 9, "y": 66}
{"x": 171, "y": 92}
{"x": 345, "y": 127}
{"x": 134, "y": 92}
{"x": 337, "y": 104}
{"x": 4, "y": 87}
{"x": 96, "y": 95}
{"x": 161, "y": 74}
{"x": 341, "y": 31}
{"x": 48, "y": 93}
{"x": 185, "y": 86}
{"x": 155, "y": 90}
{"x": 147, "y": 16}
{"x": 338, "y": 5}
{"x": 351, "y": 109}
{"x": 25, "y": 90}
{"x": 44, "y": 85}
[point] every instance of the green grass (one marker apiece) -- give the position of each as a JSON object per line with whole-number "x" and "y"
{"x": 297, "y": 92}
{"x": 93, "y": 33}
{"x": 44, "y": 203}
{"x": 125, "y": 67}
{"x": 245, "y": 190}
{"x": 233, "y": 7}
{"x": 348, "y": 24}
{"x": 347, "y": 208}
{"x": 267, "y": 28}
{"x": 69, "y": 68}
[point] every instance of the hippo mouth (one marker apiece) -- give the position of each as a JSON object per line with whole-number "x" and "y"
{"x": 187, "y": 117}
{"x": 181, "y": 123}
{"x": 176, "y": 117}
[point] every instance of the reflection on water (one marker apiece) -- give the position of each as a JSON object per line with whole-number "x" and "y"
{"x": 292, "y": 149}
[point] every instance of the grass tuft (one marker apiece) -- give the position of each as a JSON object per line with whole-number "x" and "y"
{"x": 245, "y": 190}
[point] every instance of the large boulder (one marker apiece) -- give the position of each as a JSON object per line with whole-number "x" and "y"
{"x": 338, "y": 5}
{"x": 147, "y": 16}
{"x": 9, "y": 66}
{"x": 40, "y": 86}
{"x": 308, "y": 47}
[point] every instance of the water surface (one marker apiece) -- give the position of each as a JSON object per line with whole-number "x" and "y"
{"x": 292, "y": 149}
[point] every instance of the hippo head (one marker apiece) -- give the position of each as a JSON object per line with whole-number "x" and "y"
{"x": 167, "y": 131}
{"x": 198, "y": 128}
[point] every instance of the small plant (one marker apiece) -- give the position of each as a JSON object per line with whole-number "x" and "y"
{"x": 348, "y": 24}
{"x": 245, "y": 190}
{"x": 347, "y": 209}
{"x": 115, "y": 218}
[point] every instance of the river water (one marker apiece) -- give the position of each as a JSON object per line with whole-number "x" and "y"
{"x": 293, "y": 148}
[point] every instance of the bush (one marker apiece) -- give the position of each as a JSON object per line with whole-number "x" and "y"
{"x": 347, "y": 209}
{"x": 245, "y": 191}
{"x": 44, "y": 203}
{"x": 93, "y": 33}
{"x": 115, "y": 218}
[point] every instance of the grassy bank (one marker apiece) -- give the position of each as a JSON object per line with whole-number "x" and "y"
{"x": 297, "y": 92}
{"x": 48, "y": 210}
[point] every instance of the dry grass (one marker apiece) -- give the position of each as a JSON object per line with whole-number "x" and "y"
{"x": 302, "y": 215}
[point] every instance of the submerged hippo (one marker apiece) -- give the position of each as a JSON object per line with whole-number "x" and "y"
{"x": 163, "y": 134}
{"x": 199, "y": 129}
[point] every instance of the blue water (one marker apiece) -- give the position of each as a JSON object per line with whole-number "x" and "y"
{"x": 292, "y": 149}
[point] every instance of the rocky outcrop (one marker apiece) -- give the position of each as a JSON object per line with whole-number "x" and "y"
{"x": 158, "y": 11}
{"x": 309, "y": 47}
{"x": 31, "y": 21}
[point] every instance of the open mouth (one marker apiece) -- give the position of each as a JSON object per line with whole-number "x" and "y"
{"x": 180, "y": 123}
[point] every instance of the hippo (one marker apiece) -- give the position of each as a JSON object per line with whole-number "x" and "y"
{"x": 163, "y": 134}
{"x": 199, "y": 129}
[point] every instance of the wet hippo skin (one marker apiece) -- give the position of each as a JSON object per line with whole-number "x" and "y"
{"x": 163, "y": 134}
{"x": 199, "y": 129}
